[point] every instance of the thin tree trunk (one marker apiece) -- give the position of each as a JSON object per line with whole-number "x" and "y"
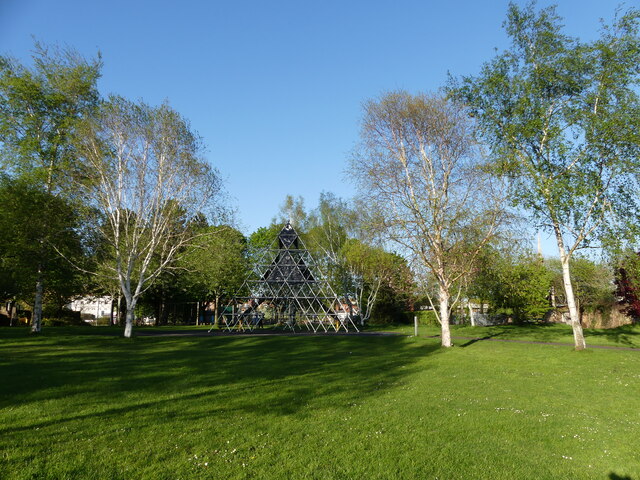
{"x": 120, "y": 311}
{"x": 215, "y": 310}
{"x": 112, "y": 311}
{"x": 444, "y": 317}
{"x": 13, "y": 313}
{"x": 36, "y": 318}
{"x": 578, "y": 334}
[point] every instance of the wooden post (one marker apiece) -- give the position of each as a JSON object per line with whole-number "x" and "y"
{"x": 415, "y": 325}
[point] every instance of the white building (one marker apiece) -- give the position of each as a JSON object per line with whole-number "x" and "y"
{"x": 97, "y": 306}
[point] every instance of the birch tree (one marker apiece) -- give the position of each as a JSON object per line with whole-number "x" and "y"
{"x": 356, "y": 268}
{"x": 563, "y": 121}
{"x": 145, "y": 175}
{"x": 419, "y": 168}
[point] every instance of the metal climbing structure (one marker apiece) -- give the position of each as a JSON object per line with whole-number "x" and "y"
{"x": 286, "y": 288}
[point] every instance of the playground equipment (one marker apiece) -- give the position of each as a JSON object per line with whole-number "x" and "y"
{"x": 286, "y": 288}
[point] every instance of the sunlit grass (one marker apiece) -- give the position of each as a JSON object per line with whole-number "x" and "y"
{"x": 99, "y": 406}
{"x": 625, "y": 336}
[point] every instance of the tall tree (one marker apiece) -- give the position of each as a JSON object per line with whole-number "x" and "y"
{"x": 216, "y": 265}
{"x": 512, "y": 282}
{"x": 39, "y": 110}
{"x": 356, "y": 267}
{"x": 20, "y": 256}
{"x": 563, "y": 121}
{"x": 419, "y": 169}
{"x": 331, "y": 225}
{"x": 370, "y": 270}
{"x": 145, "y": 175}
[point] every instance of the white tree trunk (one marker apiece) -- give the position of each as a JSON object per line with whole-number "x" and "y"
{"x": 444, "y": 317}
{"x": 130, "y": 301}
{"x": 128, "y": 325}
{"x": 578, "y": 334}
{"x": 471, "y": 317}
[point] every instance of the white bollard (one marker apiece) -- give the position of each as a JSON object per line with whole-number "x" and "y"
{"x": 415, "y": 325}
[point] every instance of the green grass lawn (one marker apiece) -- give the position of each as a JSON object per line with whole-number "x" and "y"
{"x": 83, "y": 403}
{"x": 627, "y": 336}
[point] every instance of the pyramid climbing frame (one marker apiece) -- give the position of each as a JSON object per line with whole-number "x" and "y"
{"x": 286, "y": 288}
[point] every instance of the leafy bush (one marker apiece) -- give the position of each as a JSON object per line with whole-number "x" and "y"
{"x": 60, "y": 317}
{"x": 425, "y": 317}
{"x": 103, "y": 322}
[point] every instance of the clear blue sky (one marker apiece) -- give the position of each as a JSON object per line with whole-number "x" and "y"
{"x": 275, "y": 88}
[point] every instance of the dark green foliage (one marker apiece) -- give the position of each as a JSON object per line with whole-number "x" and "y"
{"x": 53, "y": 316}
{"x": 211, "y": 269}
{"x": 40, "y": 108}
{"x": 627, "y": 280}
{"x": 24, "y": 246}
{"x": 264, "y": 237}
{"x": 593, "y": 284}
{"x": 425, "y": 317}
{"x": 512, "y": 283}
{"x": 389, "y": 307}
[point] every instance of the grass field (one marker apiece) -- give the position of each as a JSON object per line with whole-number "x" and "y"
{"x": 83, "y": 403}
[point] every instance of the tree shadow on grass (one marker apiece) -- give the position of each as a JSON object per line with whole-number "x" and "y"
{"x": 479, "y": 339}
{"x": 204, "y": 376}
{"x": 615, "y": 476}
{"x": 627, "y": 335}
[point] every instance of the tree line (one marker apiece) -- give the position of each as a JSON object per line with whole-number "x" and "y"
{"x": 107, "y": 191}
{"x": 109, "y": 195}
{"x": 548, "y": 127}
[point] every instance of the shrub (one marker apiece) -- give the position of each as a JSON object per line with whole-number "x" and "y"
{"x": 425, "y": 317}
{"x": 61, "y": 317}
{"x": 103, "y": 322}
